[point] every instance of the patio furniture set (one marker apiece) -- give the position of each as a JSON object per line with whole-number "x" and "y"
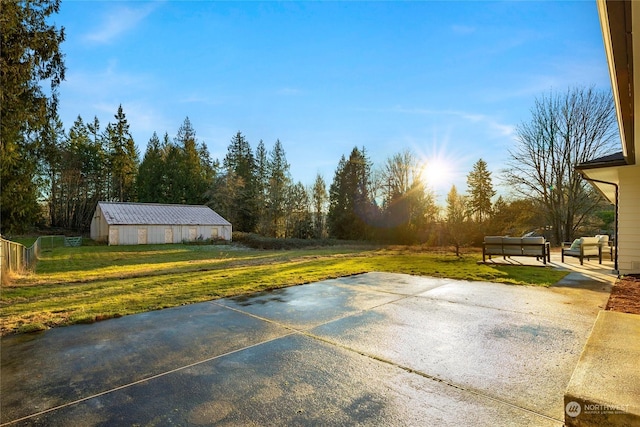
{"x": 582, "y": 248}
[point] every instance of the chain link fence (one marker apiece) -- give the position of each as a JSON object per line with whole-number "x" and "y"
{"x": 17, "y": 258}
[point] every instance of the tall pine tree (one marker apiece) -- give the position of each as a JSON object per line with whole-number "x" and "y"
{"x": 124, "y": 159}
{"x": 480, "y": 191}
{"x": 262, "y": 186}
{"x": 151, "y": 181}
{"x": 194, "y": 170}
{"x": 278, "y": 190}
{"x": 29, "y": 56}
{"x": 52, "y": 138}
{"x": 319, "y": 199}
{"x": 240, "y": 170}
{"x": 351, "y": 208}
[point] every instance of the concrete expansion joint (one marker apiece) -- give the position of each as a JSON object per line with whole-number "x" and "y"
{"x": 140, "y": 381}
{"x": 429, "y": 376}
{"x": 383, "y": 291}
{"x": 383, "y": 360}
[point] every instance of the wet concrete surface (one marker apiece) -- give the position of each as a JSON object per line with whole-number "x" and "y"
{"x": 373, "y": 349}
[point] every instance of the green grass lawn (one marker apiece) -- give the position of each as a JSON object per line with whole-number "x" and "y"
{"x": 89, "y": 283}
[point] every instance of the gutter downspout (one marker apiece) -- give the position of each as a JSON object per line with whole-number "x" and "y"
{"x": 615, "y": 262}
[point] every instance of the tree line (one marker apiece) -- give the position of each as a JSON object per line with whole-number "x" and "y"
{"x": 53, "y": 177}
{"x": 254, "y": 189}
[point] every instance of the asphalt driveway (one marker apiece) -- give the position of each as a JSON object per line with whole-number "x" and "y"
{"x": 372, "y": 349}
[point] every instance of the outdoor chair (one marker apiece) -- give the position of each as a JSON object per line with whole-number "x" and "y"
{"x": 584, "y": 247}
{"x": 606, "y": 244}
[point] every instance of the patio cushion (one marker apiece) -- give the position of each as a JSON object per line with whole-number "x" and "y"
{"x": 575, "y": 246}
{"x": 532, "y": 245}
{"x": 493, "y": 245}
{"x": 512, "y": 245}
{"x": 590, "y": 245}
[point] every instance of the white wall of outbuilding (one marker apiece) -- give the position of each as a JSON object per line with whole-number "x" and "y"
{"x": 133, "y": 234}
{"x": 160, "y": 234}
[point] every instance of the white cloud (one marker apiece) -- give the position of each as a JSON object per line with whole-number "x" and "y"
{"x": 108, "y": 82}
{"x": 120, "y": 20}
{"x": 496, "y": 128}
{"x": 200, "y": 99}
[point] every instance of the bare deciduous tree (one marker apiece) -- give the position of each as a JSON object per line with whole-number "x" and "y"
{"x": 408, "y": 204}
{"x": 457, "y": 219}
{"x": 565, "y": 130}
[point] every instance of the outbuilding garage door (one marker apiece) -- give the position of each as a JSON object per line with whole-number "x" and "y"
{"x": 142, "y": 236}
{"x": 113, "y": 236}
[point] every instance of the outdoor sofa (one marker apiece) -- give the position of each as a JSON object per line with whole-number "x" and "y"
{"x": 586, "y": 247}
{"x": 506, "y": 246}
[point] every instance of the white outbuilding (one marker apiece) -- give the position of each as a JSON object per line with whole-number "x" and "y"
{"x": 153, "y": 223}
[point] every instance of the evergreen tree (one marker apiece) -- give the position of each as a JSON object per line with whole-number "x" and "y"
{"x": 208, "y": 170}
{"x": 299, "y": 223}
{"x": 102, "y": 177}
{"x": 262, "y": 186}
{"x": 351, "y": 209}
{"x": 240, "y": 171}
{"x": 173, "y": 190}
{"x": 29, "y": 55}
{"x": 339, "y": 206}
{"x": 51, "y": 138}
{"x": 278, "y": 189}
{"x": 194, "y": 169}
{"x": 151, "y": 181}
{"x": 124, "y": 159}
{"x": 480, "y": 191}
{"x": 319, "y": 200}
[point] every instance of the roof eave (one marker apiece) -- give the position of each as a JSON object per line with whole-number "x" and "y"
{"x": 616, "y": 25}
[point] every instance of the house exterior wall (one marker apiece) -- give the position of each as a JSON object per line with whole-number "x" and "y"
{"x": 161, "y": 234}
{"x": 629, "y": 220}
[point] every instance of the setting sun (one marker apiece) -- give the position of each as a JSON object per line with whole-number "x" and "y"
{"x": 439, "y": 173}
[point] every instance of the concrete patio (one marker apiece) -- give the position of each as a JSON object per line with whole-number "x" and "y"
{"x": 382, "y": 349}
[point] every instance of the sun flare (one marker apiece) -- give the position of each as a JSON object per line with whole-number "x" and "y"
{"x": 438, "y": 173}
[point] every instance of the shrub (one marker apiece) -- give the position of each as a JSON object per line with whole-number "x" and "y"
{"x": 256, "y": 241}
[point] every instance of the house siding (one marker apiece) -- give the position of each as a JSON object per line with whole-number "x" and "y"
{"x": 629, "y": 220}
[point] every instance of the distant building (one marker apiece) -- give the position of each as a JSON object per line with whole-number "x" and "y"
{"x": 151, "y": 223}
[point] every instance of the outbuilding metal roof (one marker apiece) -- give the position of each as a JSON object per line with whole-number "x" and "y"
{"x": 157, "y": 214}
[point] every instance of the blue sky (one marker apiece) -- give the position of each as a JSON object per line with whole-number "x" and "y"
{"x": 449, "y": 80}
